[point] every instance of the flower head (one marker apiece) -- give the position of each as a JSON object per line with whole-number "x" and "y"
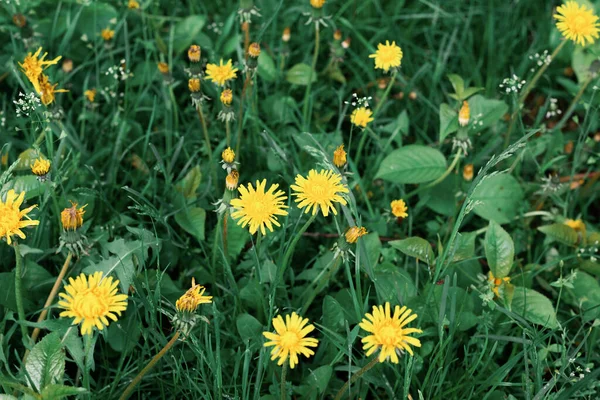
{"x": 72, "y": 217}
{"x": 577, "y": 22}
{"x": 92, "y": 300}
{"x": 317, "y": 3}
{"x": 468, "y": 172}
{"x": 287, "y": 34}
{"x": 387, "y": 56}
{"x": 399, "y": 208}
{"x": 319, "y": 190}
{"x": 11, "y": 216}
{"x": 289, "y": 339}
{"x": 228, "y": 155}
{"x": 194, "y": 85}
{"x": 254, "y": 50}
{"x": 464, "y": 114}
{"x": 194, "y": 53}
{"x": 33, "y": 65}
{"x": 577, "y": 224}
{"x": 361, "y": 117}
{"x": 40, "y": 167}
{"x": 163, "y": 67}
{"x": 339, "y": 157}
{"x": 231, "y": 181}
{"x": 496, "y": 283}
{"x": 220, "y": 74}
{"x": 90, "y": 94}
{"x": 133, "y": 5}
{"x": 259, "y": 208}
{"x": 388, "y": 332}
{"x": 353, "y": 233}
{"x": 48, "y": 90}
{"x": 107, "y": 34}
{"x": 192, "y": 298}
{"x": 226, "y": 97}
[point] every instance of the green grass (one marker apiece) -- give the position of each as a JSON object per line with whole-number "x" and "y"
{"x": 140, "y": 162}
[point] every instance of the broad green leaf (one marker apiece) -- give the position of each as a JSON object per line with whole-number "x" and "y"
{"x": 26, "y": 159}
{"x": 415, "y": 247}
{"x": 333, "y": 313}
{"x": 236, "y": 237}
{"x": 465, "y": 246}
{"x": 45, "y": 364}
{"x": 498, "y": 198}
{"x": 192, "y": 221}
{"x": 457, "y": 83}
{"x": 190, "y": 183}
{"x": 499, "y": 250}
{"x": 470, "y": 91}
{"x": 372, "y": 245}
{"x": 29, "y": 184}
{"x": 397, "y": 128}
{"x": 441, "y": 198}
{"x": 248, "y": 327}
{"x": 94, "y": 18}
{"x": 186, "y": 31}
{"x": 57, "y": 391}
{"x": 486, "y": 112}
{"x": 268, "y": 271}
{"x": 560, "y": 232}
{"x": 300, "y": 74}
{"x": 582, "y": 60}
{"x": 534, "y": 307}
{"x": 585, "y": 296}
{"x": 320, "y": 377}
{"x": 412, "y": 164}
{"x": 393, "y": 284}
{"x": 448, "y": 121}
{"x": 266, "y": 67}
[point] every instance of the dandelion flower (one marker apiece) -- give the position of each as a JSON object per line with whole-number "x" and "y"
{"x": 228, "y": 155}
{"x": 194, "y": 85}
{"x": 226, "y": 97}
{"x": 11, "y": 216}
{"x": 399, "y": 208}
{"x": 339, "y": 157}
{"x": 192, "y": 298}
{"x": 92, "y": 300}
{"x": 220, "y": 74}
{"x": 576, "y": 22}
{"x": 107, "y": 34}
{"x": 33, "y": 65}
{"x": 577, "y": 224}
{"x": 90, "y": 94}
{"x": 254, "y": 50}
{"x": 464, "y": 114}
{"x": 317, "y": 3}
{"x": 40, "y": 167}
{"x": 48, "y": 90}
{"x": 133, "y": 5}
{"x": 72, "y": 217}
{"x": 387, "y": 56}
{"x": 468, "y": 172}
{"x": 319, "y": 190}
{"x": 497, "y": 282}
{"x": 231, "y": 181}
{"x": 388, "y": 333}
{"x": 194, "y": 53}
{"x": 353, "y": 233}
{"x": 258, "y": 207}
{"x": 361, "y": 117}
{"x": 290, "y": 339}
{"x": 163, "y": 67}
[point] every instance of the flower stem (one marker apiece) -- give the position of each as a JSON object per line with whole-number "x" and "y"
{"x": 386, "y": 93}
{"x": 573, "y": 104}
{"x": 228, "y": 133}
{"x": 310, "y": 78}
{"x": 355, "y": 377}
{"x": 19, "y": 290}
{"x": 241, "y": 115}
{"x": 207, "y": 140}
{"x": 148, "y": 367}
{"x": 320, "y": 282}
{"x": 225, "y": 218}
{"x": 282, "y": 387}
{"x": 290, "y": 250}
{"x": 362, "y": 142}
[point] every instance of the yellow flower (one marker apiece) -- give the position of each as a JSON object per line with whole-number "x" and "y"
{"x": 361, "y": 117}
{"x": 339, "y": 157}
{"x": 577, "y": 22}
{"x": 317, "y": 3}
{"x": 259, "y": 208}
{"x": 577, "y": 224}
{"x": 194, "y": 53}
{"x": 231, "y": 181}
{"x": 254, "y": 50}
{"x": 90, "y": 94}
{"x": 40, "y": 167}
{"x": 11, "y": 216}
{"x": 107, "y": 34}
{"x": 92, "y": 300}
{"x": 464, "y": 114}
{"x": 290, "y": 339}
{"x": 72, "y": 217}
{"x": 226, "y": 97}
{"x": 33, "y": 66}
{"x": 353, "y": 233}
{"x": 228, "y": 155}
{"x": 194, "y": 85}
{"x": 220, "y": 74}
{"x": 163, "y": 67}
{"x": 497, "y": 282}
{"x": 319, "y": 190}
{"x": 48, "y": 90}
{"x": 387, "y": 56}
{"x": 399, "y": 208}
{"x": 133, "y": 5}
{"x": 468, "y": 172}
{"x": 192, "y": 298}
{"x": 389, "y": 333}
{"x": 286, "y": 35}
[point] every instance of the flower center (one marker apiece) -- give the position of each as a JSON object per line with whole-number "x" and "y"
{"x": 388, "y": 334}
{"x": 9, "y": 219}
{"x": 91, "y": 303}
{"x": 580, "y": 23}
{"x": 289, "y": 340}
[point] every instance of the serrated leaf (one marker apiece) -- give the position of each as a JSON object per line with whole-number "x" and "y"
{"x": 45, "y": 364}
{"x": 498, "y": 198}
{"x": 412, "y": 164}
{"x": 190, "y": 183}
{"x": 192, "y": 221}
{"x": 55, "y": 391}
{"x": 415, "y": 247}
{"x": 534, "y": 307}
{"x": 499, "y": 250}
{"x": 300, "y": 74}
{"x": 560, "y": 232}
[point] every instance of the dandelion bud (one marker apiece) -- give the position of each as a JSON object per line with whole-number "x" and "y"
{"x": 133, "y": 5}
{"x": 67, "y": 66}
{"x": 186, "y": 305}
{"x": 41, "y": 167}
{"x": 163, "y": 68}
{"x": 90, "y": 94}
{"x": 346, "y": 43}
{"x": 19, "y": 20}
{"x": 569, "y": 147}
{"x": 254, "y": 50}
{"x": 317, "y": 3}
{"x": 337, "y": 35}
{"x": 72, "y": 217}
{"x": 339, "y": 157}
{"x": 412, "y": 95}
{"x": 228, "y": 155}
{"x": 286, "y": 36}
{"x": 231, "y": 181}
{"x": 353, "y": 233}
{"x": 464, "y": 114}
{"x": 194, "y": 53}
{"x": 468, "y": 172}
{"x": 107, "y": 34}
{"x": 194, "y": 85}
{"x": 226, "y": 97}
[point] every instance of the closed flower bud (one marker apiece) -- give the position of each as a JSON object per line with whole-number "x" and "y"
{"x": 194, "y": 53}
{"x": 231, "y": 181}
{"x": 339, "y": 157}
{"x": 464, "y": 115}
{"x": 353, "y": 233}
{"x": 254, "y": 50}
{"x": 72, "y": 217}
{"x": 226, "y": 97}
{"x": 194, "y": 85}
{"x": 286, "y": 36}
{"x": 163, "y": 67}
{"x": 41, "y": 167}
{"x": 317, "y": 3}
{"x": 337, "y": 35}
{"x": 468, "y": 172}
{"x": 228, "y": 155}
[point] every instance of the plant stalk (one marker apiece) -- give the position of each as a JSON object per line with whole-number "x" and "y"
{"x": 310, "y": 78}
{"x": 355, "y": 377}
{"x": 19, "y": 290}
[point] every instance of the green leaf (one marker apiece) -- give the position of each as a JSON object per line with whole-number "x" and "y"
{"x": 534, "y": 307}
{"x": 393, "y": 284}
{"x": 448, "y": 121}
{"x": 266, "y": 67}
{"x": 320, "y": 377}
{"x": 249, "y": 328}
{"x": 192, "y": 221}
{"x": 470, "y": 91}
{"x": 412, "y": 164}
{"x": 465, "y": 246}
{"x": 499, "y": 250}
{"x": 300, "y": 74}
{"x": 372, "y": 246}
{"x": 560, "y": 232}
{"x": 94, "y": 18}
{"x": 581, "y": 62}
{"x": 397, "y": 128}
{"x": 46, "y": 363}
{"x": 190, "y": 183}
{"x": 457, "y": 83}
{"x": 268, "y": 271}
{"x": 55, "y": 392}
{"x": 25, "y": 183}
{"x": 415, "y": 247}
{"x": 498, "y": 198}
{"x": 26, "y": 159}
{"x": 585, "y": 296}
{"x": 441, "y": 198}
{"x": 486, "y": 111}
{"x": 333, "y": 314}
{"x": 186, "y": 32}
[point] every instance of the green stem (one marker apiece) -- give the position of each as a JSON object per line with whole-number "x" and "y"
{"x": 19, "y": 291}
{"x": 355, "y": 377}
{"x": 290, "y": 250}
{"x": 440, "y": 179}
{"x": 282, "y": 387}
{"x": 310, "y": 78}
{"x": 362, "y": 142}
{"x": 320, "y": 282}
{"x": 208, "y": 146}
{"x": 241, "y": 115}
{"x": 228, "y": 133}
{"x": 573, "y": 104}
{"x": 386, "y": 93}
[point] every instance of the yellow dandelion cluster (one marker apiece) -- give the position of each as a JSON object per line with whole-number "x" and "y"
{"x": 221, "y": 74}
{"x": 576, "y": 22}
{"x": 259, "y": 208}
{"x": 72, "y": 217}
{"x": 387, "y": 56}
{"x": 399, "y": 208}
{"x": 319, "y": 190}
{"x": 290, "y": 339}
{"x": 191, "y": 299}
{"x": 353, "y": 233}
{"x": 339, "y": 157}
{"x": 33, "y": 66}
{"x": 12, "y": 217}
{"x": 317, "y": 3}
{"x": 361, "y": 117}
{"x": 163, "y": 67}
{"x": 133, "y": 5}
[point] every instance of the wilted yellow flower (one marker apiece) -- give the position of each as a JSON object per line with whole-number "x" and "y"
{"x": 48, "y": 90}
{"x": 337, "y": 35}
{"x": 133, "y": 5}
{"x": 194, "y": 85}
{"x": 577, "y": 22}
{"x": 339, "y": 157}
{"x": 163, "y": 67}
{"x": 11, "y": 216}
{"x": 254, "y": 50}
{"x": 72, "y": 217}
{"x": 194, "y": 53}
{"x": 353, "y": 233}
{"x": 91, "y": 301}
{"x": 497, "y": 282}
{"x": 231, "y": 181}
{"x": 290, "y": 339}
{"x": 319, "y": 190}
{"x": 33, "y": 65}
{"x": 468, "y": 172}
{"x": 259, "y": 208}
{"x": 577, "y": 224}
{"x": 317, "y": 3}
{"x": 399, "y": 208}
{"x": 220, "y": 74}
{"x": 191, "y": 299}
{"x": 388, "y": 333}
{"x": 361, "y": 117}
{"x": 464, "y": 115}
{"x": 387, "y": 56}
{"x": 40, "y": 167}
{"x": 228, "y": 155}
{"x": 107, "y": 34}
{"x": 90, "y": 94}
{"x": 226, "y": 97}
{"x": 286, "y": 35}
